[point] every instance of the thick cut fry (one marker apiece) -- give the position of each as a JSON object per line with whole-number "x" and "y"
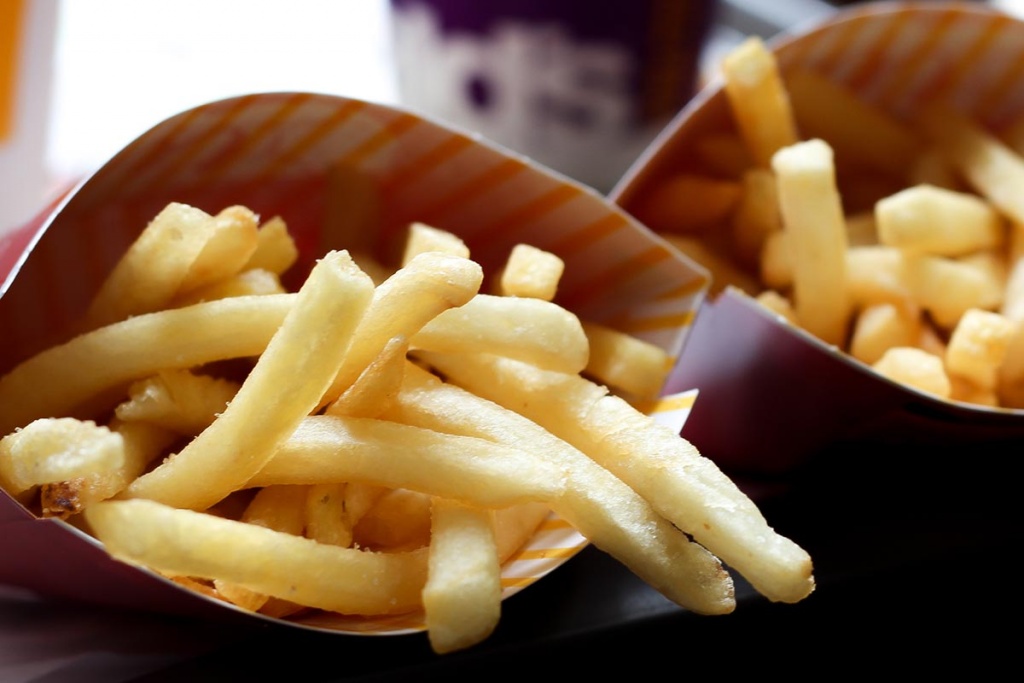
{"x": 915, "y": 368}
{"x": 759, "y": 101}
{"x": 531, "y": 330}
{"x": 295, "y": 369}
{"x": 881, "y": 327}
{"x": 877, "y": 274}
{"x": 325, "y": 449}
{"x": 531, "y": 272}
{"x": 778, "y": 304}
{"x": 930, "y": 220}
{"x": 189, "y": 543}
{"x": 462, "y": 596}
{"x": 978, "y": 346}
{"x": 947, "y": 288}
{"x": 610, "y": 514}
{"x": 60, "y": 379}
{"x": 625, "y": 362}
{"x": 415, "y": 294}
{"x": 812, "y": 216}
{"x": 177, "y": 400}
{"x": 682, "y": 485}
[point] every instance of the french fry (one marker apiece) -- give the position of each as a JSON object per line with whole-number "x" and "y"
{"x": 375, "y": 388}
{"x": 60, "y": 379}
{"x": 431, "y": 282}
{"x": 143, "y": 444}
{"x": 231, "y": 242}
{"x": 57, "y": 449}
{"x": 531, "y": 272}
{"x": 332, "y": 449}
{"x": 152, "y": 270}
{"x": 758, "y": 100}
{"x": 978, "y": 346}
{"x": 398, "y": 520}
{"x": 603, "y": 507}
{"x": 532, "y": 330}
{"x": 189, "y": 543}
{"x": 177, "y": 400}
{"x": 275, "y": 251}
{"x": 812, "y": 216}
{"x": 880, "y": 327}
{"x": 630, "y": 365}
{"x": 462, "y": 595}
{"x": 915, "y": 368}
{"x": 756, "y": 216}
{"x": 930, "y": 220}
{"x": 724, "y": 273}
{"x": 423, "y": 238}
{"x": 297, "y": 366}
{"x": 254, "y": 282}
{"x": 683, "y": 486}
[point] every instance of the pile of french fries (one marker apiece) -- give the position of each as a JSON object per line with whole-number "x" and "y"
{"x": 368, "y": 444}
{"x": 898, "y": 241}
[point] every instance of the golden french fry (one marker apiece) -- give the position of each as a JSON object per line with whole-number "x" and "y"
{"x": 947, "y": 288}
{"x": 330, "y": 448}
{"x": 533, "y": 330}
{"x": 231, "y": 241}
{"x": 297, "y": 366}
{"x": 254, "y": 282}
{"x": 62, "y": 378}
{"x": 57, "y": 449}
{"x": 758, "y": 99}
{"x": 143, "y": 444}
{"x": 601, "y": 506}
{"x": 276, "y": 251}
{"x": 813, "y": 220}
{"x": 932, "y": 220}
{"x": 178, "y": 400}
{"x": 462, "y": 595}
{"x": 625, "y": 362}
{"x": 195, "y": 544}
{"x": 375, "y": 388}
{"x": 150, "y": 273}
{"x": 778, "y": 304}
{"x": 915, "y": 368}
{"x": 723, "y": 153}
{"x": 977, "y": 347}
{"x": 398, "y": 520}
{"x": 326, "y": 517}
{"x": 423, "y": 238}
{"x": 882, "y": 326}
{"x": 414, "y": 295}
{"x": 531, "y": 272}
{"x": 686, "y": 488}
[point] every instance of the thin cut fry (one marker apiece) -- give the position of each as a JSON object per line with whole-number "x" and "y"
{"x": 296, "y": 367}
{"x": 667, "y": 470}
{"x": 189, "y": 543}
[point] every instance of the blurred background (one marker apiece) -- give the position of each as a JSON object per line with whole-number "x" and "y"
{"x": 557, "y": 81}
